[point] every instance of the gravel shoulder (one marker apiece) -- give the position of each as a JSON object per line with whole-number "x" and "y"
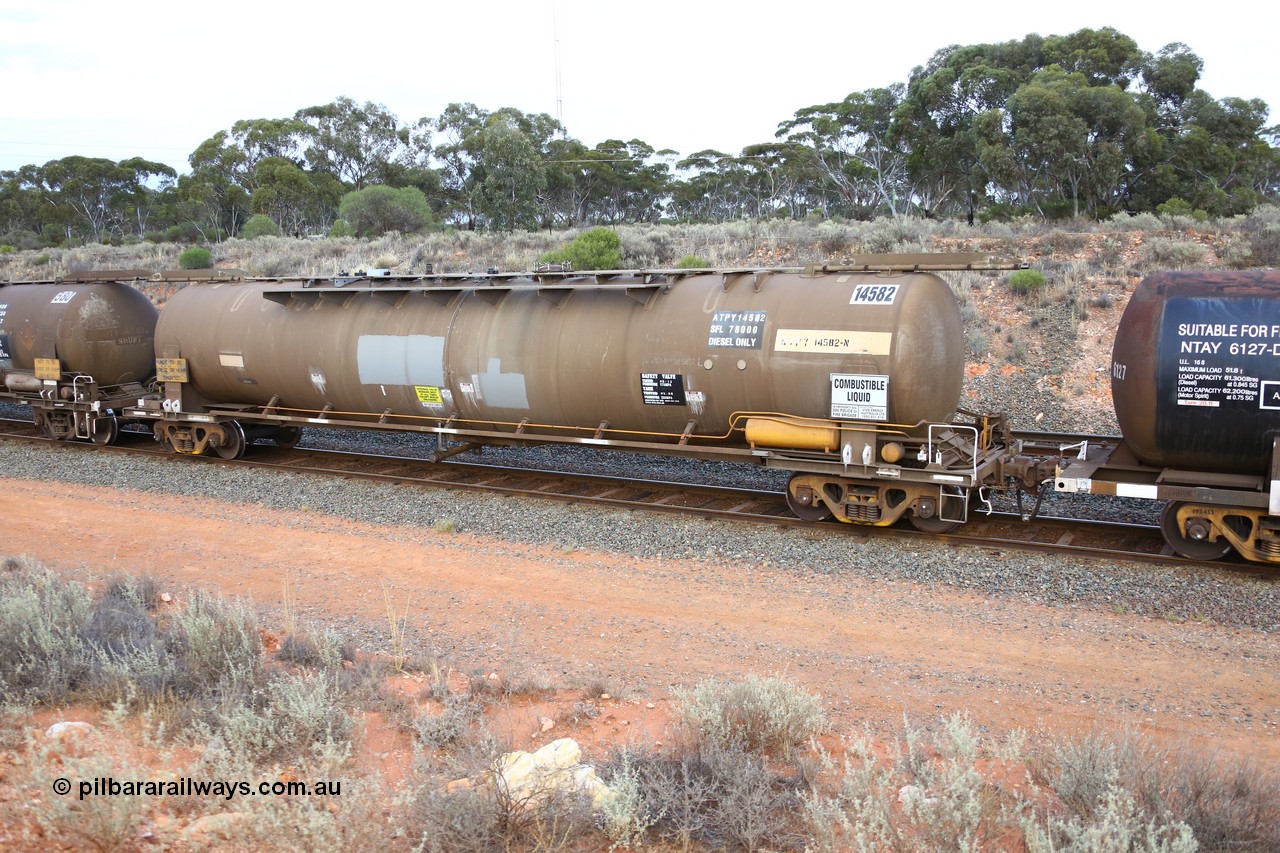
{"x": 566, "y": 595}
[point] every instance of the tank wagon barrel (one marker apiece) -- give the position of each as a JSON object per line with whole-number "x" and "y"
{"x": 655, "y": 353}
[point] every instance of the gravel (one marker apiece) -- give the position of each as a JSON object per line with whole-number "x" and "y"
{"x": 1228, "y": 597}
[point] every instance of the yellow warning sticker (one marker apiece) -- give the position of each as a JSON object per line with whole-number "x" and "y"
{"x": 429, "y": 395}
{"x": 172, "y": 370}
{"x": 49, "y": 369}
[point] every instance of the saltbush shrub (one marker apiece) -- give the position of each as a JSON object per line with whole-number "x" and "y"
{"x": 1163, "y": 253}
{"x": 196, "y": 258}
{"x": 760, "y": 714}
{"x": 21, "y": 239}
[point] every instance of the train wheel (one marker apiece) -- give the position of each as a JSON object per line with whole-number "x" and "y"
{"x": 287, "y": 437}
{"x": 105, "y": 431}
{"x": 1187, "y": 546}
{"x": 806, "y": 506}
{"x": 232, "y": 446}
{"x": 933, "y": 524}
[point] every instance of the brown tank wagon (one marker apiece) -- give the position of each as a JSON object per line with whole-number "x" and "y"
{"x": 75, "y": 349}
{"x": 848, "y": 375}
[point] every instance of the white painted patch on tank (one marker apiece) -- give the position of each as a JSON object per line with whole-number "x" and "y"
{"x": 400, "y": 359}
{"x": 318, "y": 381}
{"x": 501, "y": 390}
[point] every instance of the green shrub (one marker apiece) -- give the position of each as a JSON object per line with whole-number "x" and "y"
{"x": 341, "y": 228}
{"x": 1025, "y": 281}
{"x": 375, "y": 210}
{"x": 196, "y": 258}
{"x": 691, "y": 262}
{"x": 597, "y": 249}
{"x": 260, "y": 225}
{"x": 6, "y": 249}
{"x": 1174, "y": 207}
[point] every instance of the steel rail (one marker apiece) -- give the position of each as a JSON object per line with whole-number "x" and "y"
{"x": 1006, "y": 531}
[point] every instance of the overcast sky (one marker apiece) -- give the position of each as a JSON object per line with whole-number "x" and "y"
{"x": 155, "y": 79}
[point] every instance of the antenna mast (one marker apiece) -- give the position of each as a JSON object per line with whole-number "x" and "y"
{"x": 555, "y": 35}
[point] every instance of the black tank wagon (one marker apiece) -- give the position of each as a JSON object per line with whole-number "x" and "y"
{"x": 1195, "y": 377}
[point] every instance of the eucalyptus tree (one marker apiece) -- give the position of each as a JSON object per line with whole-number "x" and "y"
{"x": 300, "y": 202}
{"x": 631, "y": 181}
{"x": 1071, "y": 140}
{"x": 96, "y": 197}
{"x": 514, "y": 175}
{"x": 353, "y": 142}
{"x": 856, "y": 144}
{"x": 224, "y": 170}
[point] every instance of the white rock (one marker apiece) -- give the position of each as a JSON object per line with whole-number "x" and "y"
{"x": 529, "y": 777}
{"x": 70, "y": 728}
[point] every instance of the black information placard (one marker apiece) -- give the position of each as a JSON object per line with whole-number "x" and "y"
{"x": 662, "y": 389}
{"x": 4, "y": 347}
{"x": 1217, "y": 379}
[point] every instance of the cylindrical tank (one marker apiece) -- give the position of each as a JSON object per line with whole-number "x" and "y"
{"x": 646, "y": 354}
{"x": 104, "y": 329}
{"x": 1195, "y": 370}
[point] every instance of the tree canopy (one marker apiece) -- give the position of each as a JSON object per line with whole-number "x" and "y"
{"x": 1079, "y": 125}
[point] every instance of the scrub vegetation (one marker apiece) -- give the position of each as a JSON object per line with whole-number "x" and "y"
{"x": 748, "y": 764}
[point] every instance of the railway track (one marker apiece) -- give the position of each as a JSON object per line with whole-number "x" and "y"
{"x": 998, "y": 530}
